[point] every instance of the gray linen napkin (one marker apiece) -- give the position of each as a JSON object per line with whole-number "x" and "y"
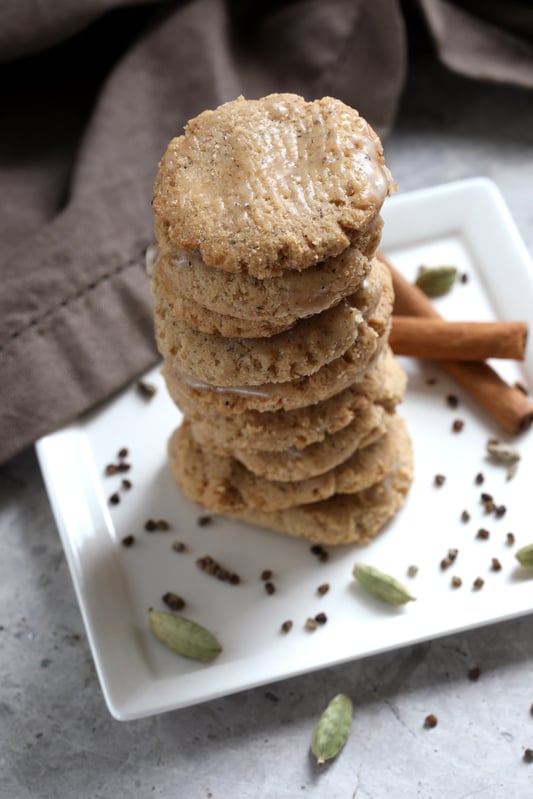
{"x": 93, "y": 91}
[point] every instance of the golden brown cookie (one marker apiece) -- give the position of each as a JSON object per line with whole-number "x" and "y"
{"x": 260, "y": 186}
{"x": 279, "y": 430}
{"x": 348, "y": 370}
{"x": 296, "y": 353}
{"x": 343, "y": 518}
{"x": 365, "y": 298}
{"x": 223, "y": 485}
{"x": 278, "y": 301}
{"x": 291, "y": 465}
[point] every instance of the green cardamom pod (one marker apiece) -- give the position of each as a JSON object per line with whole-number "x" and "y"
{"x": 525, "y": 555}
{"x": 381, "y": 585}
{"x": 332, "y": 729}
{"x": 183, "y": 636}
{"x": 435, "y": 281}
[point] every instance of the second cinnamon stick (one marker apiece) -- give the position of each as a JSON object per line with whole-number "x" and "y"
{"x": 439, "y": 339}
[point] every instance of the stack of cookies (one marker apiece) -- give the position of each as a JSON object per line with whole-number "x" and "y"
{"x": 272, "y": 315}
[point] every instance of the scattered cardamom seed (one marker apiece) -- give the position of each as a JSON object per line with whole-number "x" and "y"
{"x": 332, "y": 729}
{"x": 148, "y": 390}
{"x": 286, "y": 627}
{"x": 173, "y": 601}
{"x": 381, "y": 585}
{"x": 525, "y": 555}
{"x": 183, "y": 636}
{"x": 435, "y": 281}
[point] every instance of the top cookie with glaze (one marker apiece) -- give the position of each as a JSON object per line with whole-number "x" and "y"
{"x": 261, "y": 186}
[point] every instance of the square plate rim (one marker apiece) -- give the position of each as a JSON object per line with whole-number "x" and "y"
{"x": 51, "y": 449}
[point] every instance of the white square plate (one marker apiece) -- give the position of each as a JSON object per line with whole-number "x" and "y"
{"x": 465, "y": 223}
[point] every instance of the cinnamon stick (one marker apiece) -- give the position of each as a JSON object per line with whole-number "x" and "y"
{"x": 439, "y": 339}
{"x": 506, "y": 404}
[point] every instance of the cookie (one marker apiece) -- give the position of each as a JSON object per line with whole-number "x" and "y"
{"x": 343, "y": 518}
{"x": 348, "y": 370}
{"x": 290, "y": 296}
{"x": 291, "y": 465}
{"x": 296, "y": 353}
{"x": 280, "y": 430}
{"x": 296, "y": 393}
{"x": 364, "y": 297}
{"x": 223, "y": 485}
{"x": 261, "y": 186}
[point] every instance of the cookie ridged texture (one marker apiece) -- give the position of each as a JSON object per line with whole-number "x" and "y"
{"x": 259, "y": 186}
{"x": 223, "y": 485}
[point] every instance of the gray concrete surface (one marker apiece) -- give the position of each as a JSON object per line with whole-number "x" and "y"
{"x": 57, "y": 740}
